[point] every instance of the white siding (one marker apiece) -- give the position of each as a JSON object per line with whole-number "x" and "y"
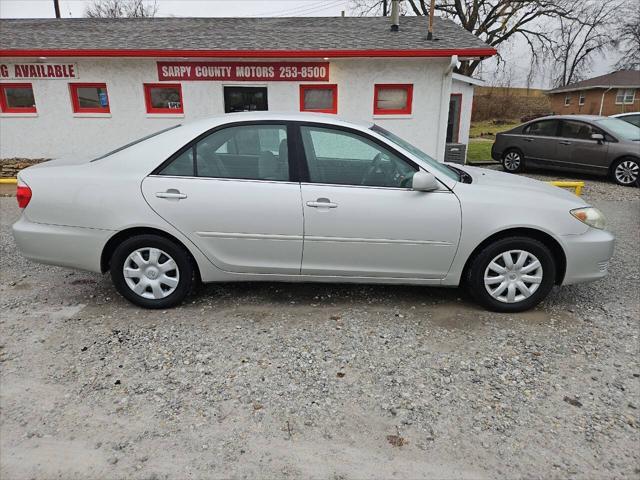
{"x": 56, "y": 132}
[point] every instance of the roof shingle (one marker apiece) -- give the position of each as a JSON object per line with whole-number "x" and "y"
{"x": 621, "y": 78}
{"x": 233, "y": 34}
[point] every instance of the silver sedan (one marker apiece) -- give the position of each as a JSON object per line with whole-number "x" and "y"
{"x": 300, "y": 197}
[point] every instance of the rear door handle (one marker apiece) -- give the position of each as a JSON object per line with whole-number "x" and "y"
{"x": 322, "y": 203}
{"x": 171, "y": 193}
{"x": 528, "y": 139}
{"x": 565, "y": 143}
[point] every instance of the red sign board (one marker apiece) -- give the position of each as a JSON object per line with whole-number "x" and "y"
{"x": 45, "y": 71}
{"x": 245, "y": 71}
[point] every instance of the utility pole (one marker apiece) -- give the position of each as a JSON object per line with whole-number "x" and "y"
{"x": 56, "y": 7}
{"x": 385, "y": 10}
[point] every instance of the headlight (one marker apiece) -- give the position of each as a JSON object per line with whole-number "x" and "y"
{"x": 589, "y": 215}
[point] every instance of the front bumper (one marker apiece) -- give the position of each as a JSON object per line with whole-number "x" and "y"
{"x": 65, "y": 246}
{"x": 588, "y": 255}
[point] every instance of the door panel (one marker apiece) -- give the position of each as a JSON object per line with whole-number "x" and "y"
{"x": 230, "y": 193}
{"x": 576, "y": 149}
{"x": 379, "y": 232}
{"x": 539, "y": 141}
{"x": 240, "y": 225}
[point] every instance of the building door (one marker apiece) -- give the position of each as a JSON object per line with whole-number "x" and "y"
{"x": 245, "y": 99}
{"x": 453, "y": 122}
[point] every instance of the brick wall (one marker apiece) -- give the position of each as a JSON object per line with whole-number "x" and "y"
{"x": 592, "y": 103}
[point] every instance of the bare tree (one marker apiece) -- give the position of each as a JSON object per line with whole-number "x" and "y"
{"x": 494, "y": 21}
{"x": 121, "y": 8}
{"x": 577, "y": 40}
{"x": 628, "y": 39}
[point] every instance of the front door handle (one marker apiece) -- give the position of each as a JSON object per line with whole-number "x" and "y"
{"x": 564, "y": 142}
{"x": 322, "y": 203}
{"x": 172, "y": 193}
{"x": 528, "y": 139}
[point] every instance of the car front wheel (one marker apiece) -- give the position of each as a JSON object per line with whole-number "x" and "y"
{"x": 512, "y": 274}
{"x": 152, "y": 271}
{"x": 513, "y": 161}
{"x": 626, "y": 172}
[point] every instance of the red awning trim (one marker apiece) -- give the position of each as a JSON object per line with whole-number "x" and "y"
{"x": 470, "y": 52}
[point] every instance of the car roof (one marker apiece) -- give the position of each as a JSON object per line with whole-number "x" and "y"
{"x": 275, "y": 116}
{"x": 570, "y": 117}
{"x": 625, "y": 114}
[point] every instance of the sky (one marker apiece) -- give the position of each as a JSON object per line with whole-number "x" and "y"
{"x": 516, "y": 53}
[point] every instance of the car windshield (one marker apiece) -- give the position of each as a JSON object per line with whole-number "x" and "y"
{"x": 620, "y": 128}
{"x": 135, "y": 142}
{"x": 452, "y": 174}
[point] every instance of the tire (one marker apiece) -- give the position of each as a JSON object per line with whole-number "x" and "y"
{"x": 151, "y": 282}
{"x": 626, "y": 172}
{"x": 501, "y": 302}
{"x": 513, "y": 161}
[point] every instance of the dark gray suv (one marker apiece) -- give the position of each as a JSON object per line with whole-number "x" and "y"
{"x": 582, "y": 143}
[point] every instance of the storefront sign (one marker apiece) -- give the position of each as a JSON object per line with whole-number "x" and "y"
{"x": 40, "y": 71}
{"x": 245, "y": 71}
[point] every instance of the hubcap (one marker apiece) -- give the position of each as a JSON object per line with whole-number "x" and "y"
{"x": 512, "y": 161}
{"x": 627, "y": 172}
{"x": 151, "y": 273}
{"x": 513, "y": 276}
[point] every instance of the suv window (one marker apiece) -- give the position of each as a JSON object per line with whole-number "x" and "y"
{"x": 254, "y": 152}
{"x": 345, "y": 158}
{"x": 546, "y": 128}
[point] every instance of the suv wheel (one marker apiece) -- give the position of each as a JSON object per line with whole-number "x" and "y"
{"x": 513, "y": 161}
{"x": 511, "y": 275}
{"x": 626, "y": 172}
{"x": 152, "y": 271}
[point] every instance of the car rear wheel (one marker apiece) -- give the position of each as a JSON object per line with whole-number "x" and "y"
{"x": 513, "y": 161}
{"x": 626, "y": 172}
{"x": 511, "y": 275}
{"x": 152, "y": 271}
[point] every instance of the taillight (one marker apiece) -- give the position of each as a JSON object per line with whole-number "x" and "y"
{"x": 23, "y": 195}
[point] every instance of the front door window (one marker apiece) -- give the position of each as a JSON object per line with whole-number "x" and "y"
{"x": 344, "y": 158}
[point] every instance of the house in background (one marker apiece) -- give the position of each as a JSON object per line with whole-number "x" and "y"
{"x": 616, "y": 92}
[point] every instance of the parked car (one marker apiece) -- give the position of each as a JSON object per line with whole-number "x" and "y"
{"x": 630, "y": 117}
{"x": 582, "y": 143}
{"x": 240, "y": 197}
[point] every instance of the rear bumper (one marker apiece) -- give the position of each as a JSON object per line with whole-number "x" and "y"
{"x": 497, "y": 156}
{"x": 588, "y": 255}
{"x": 72, "y": 247}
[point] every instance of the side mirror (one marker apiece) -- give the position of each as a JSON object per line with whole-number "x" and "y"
{"x": 424, "y": 182}
{"x": 597, "y": 136}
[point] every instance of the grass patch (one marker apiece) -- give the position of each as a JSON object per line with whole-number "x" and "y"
{"x": 479, "y": 150}
{"x": 490, "y": 128}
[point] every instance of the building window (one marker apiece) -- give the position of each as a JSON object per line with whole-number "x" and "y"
{"x": 163, "y": 98}
{"x": 581, "y": 99}
{"x": 17, "y": 98}
{"x": 245, "y": 99}
{"x": 625, "y": 96}
{"x": 89, "y": 97}
{"x": 453, "y": 121}
{"x": 319, "y": 98}
{"x": 392, "y": 99}
{"x": 567, "y": 100}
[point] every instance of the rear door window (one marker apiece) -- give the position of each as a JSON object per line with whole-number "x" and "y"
{"x": 543, "y": 128}
{"x": 253, "y": 152}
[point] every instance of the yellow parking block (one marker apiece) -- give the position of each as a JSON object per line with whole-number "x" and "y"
{"x": 9, "y": 180}
{"x": 577, "y": 186}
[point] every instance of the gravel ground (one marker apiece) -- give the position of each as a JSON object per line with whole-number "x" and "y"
{"x": 320, "y": 381}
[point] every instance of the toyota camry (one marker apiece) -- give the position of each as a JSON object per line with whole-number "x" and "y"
{"x": 302, "y": 197}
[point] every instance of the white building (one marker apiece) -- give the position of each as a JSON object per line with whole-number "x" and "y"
{"x": 79, "y": 87}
